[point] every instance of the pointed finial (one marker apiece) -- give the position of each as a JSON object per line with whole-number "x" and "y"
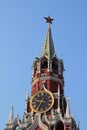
{"x": 11, "y": 116}
{"x": 58, "y": 110}
{"x": 68, "y": 108}
{"x": 27, "y": 94}
{"x": 68, "y": 98}
{"x": 79, "y": 125}
{"x": 48, "y": 19}
{"x": 58, "y": 90}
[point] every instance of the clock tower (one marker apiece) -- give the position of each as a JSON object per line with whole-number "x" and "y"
{"x": 47, "y": 108}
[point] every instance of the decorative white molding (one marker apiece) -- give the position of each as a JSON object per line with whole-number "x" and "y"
{"x": 45, "y": 77}
{"x": 37, "y": 123}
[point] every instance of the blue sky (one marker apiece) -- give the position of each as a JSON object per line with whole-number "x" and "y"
{"x": 22, "y": 33}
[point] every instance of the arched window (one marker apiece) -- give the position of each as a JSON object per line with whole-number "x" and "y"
{"x": 60, "y": 126}
{"x": 54, "y": 65}
{"x": 44, "y": 64}
{"x": 35, "y": 68}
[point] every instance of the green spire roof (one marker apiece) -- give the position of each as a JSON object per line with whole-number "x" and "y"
{"x": 48, "y": 47}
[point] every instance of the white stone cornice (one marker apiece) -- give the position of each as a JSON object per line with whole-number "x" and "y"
{"x": 37, "y": 123}
{"x": 34, "y": 125}
{"x": 45, "y": 77}
{"x": 41, "y": 124}
{"x": 51, "y": 121}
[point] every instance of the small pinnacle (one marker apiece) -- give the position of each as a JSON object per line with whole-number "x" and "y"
{"x": 68, "y": 98}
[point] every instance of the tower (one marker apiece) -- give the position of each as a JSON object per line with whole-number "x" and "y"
{"x": 47, "y": 108}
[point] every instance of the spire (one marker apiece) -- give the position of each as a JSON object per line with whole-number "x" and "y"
{"x": 27, "y": 95}
{"x": 58, "y": 110}
{"x": 11, "y": 116}
{"x": 67, "y": 115}
{"x": 26, "y": 99}
{"x": 48, "y": 47}
{"x": 78, "y": 125}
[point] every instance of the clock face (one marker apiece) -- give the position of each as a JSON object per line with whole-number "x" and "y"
{"x": 42, "y": 101}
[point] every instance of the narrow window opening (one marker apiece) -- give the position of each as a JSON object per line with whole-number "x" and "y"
{"x": 60, "y": 126}
{"x": 44, "y": 64}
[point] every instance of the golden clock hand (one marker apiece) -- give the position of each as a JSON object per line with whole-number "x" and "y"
{"x": 38, "y": 100}
{"x": 40, "y": 104}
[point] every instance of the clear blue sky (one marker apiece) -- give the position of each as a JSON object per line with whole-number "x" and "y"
{"x": 22, "y": 33}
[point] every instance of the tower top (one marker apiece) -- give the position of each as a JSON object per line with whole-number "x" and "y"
{"x": 48, "y": 19}
{"x": 48, "y": 49}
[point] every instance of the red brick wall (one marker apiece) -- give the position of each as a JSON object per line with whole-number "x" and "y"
{"x": 38, "y": 128}
{"x": 67, "y": 127}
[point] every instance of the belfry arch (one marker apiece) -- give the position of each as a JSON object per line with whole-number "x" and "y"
{"x": 60, "y": 126}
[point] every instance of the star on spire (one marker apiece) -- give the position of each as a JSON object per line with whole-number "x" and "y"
{"x": 48, "y": 46}
{"x": 48, "y": 19}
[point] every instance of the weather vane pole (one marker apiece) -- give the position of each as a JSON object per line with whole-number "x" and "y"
{"x": 48, "y": 19}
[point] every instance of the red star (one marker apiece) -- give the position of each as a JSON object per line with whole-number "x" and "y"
{"x": 48, "y": 19}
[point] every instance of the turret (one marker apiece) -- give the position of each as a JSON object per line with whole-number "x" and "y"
{"x": 10, "y": 125}
{"x": 68, "y": 114}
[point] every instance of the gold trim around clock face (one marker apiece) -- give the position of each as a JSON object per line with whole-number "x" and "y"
{"x": 42, "y": 101}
